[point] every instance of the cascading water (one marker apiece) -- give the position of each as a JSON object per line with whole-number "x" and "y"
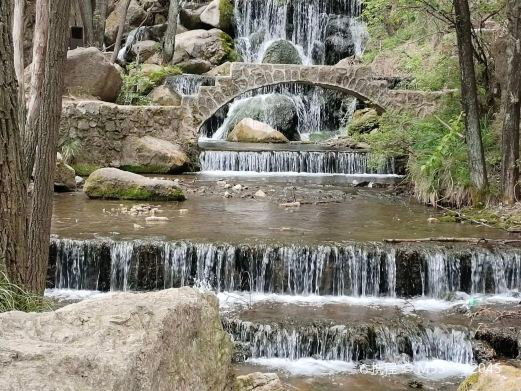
{"x": 339, "y": 270}
{"x": 291, "y": 161}
{"x": 188, "y": 84}
{"x": 305, "y": 23}
{"x": 311, "y": 106}
{"x": 352, "y": 342}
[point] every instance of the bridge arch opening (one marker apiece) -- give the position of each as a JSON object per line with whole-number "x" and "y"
{"x": 320, "y": 108}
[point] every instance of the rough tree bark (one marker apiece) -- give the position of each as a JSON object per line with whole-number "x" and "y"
{"x": 512, "y": 105}
{"x": 169, "y": 38}
{"x": 85, "y": 7}
{"x": 13, "y": 187}
{"x": 18, "y": 42}
{"x": 121, "y": 30}
{"x": 41, "y": 32}
{"x": 98, "y": 20}
{"x": 469, "y": 99}
{"x": 48, "y": 125}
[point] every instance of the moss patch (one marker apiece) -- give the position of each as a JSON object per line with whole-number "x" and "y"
{"x": 229, "y": 47}
{"x": 134, "y": 192}
{"x": 148, "y": 169}
{"x": 85, "y": 169}
{"x": 226, "y": 14}
{"x": 469, "y": 382}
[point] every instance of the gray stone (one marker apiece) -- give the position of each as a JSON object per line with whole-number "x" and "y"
{"x": 276, "y": 110}
{"x": 251, "y": 131}
{"x": 339, "y": 41}
{"x": 282, "y": 52}
{"x": 111, "y": 183}
{"x": 208, "y": 45}
{"x": 258, "y": 381}
{"x": 163, "y": 96}
{"x": 64, "y": 176}
{"x": 158, "y": 341}
{"x": 150, "y": 155}
{"x": 143, "y": 50}
{"x": 88, "y": 72}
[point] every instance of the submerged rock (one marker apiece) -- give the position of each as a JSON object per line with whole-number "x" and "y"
{"x": 89, "y": 72}
{"x": 258, "y": 381}
{"x": 167, "y": 340}
{"x": 282, "y": 52}
{"x": 111, "y": 183}
{"x": 251, "y": 131}
{"x": 150, "y": 155}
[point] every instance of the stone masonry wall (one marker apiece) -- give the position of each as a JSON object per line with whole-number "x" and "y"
{"x": 99, "y": 130}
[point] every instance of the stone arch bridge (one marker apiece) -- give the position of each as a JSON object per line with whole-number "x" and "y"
{"x": 355, "y": 80}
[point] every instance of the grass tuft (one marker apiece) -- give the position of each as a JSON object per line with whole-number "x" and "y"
{"x": 15, "y": 298}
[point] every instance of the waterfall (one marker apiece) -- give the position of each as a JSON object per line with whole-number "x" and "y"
{"x": 311, "y": 104}
{"x": 326, "y": 162}
{"x": 353, "y": 342}
{"x": 188, "y": 84}
{"x": 357, "y": 269}
{"x": 302, "y": 22}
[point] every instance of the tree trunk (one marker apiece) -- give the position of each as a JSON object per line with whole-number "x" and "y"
{"x": 18, "y": 42}
{"x": 41, "y": 31}
{"x": 85, "y": 7}
{"x": 98, "y": 20}
{"x": 121, "y": 30}
{"x": 13, "y": 187}
{"x": 48, "y": 125}
{"x": 512, "y": 105}
{"x": 469, "y": 99}
{"x": 169, "y": 38}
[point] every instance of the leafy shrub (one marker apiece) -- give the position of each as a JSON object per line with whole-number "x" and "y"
{"x": 14, "y": 298}
{"x": 435, "y": 146}
{"x": 138, "y": 84}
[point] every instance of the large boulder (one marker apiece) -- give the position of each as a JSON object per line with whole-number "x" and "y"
{"x": 64, "y": 176}
{"x": 339, "y": 39}
{"x": 111, "y": 183}
{"x": 143, "y": 50}
{"x": 276, "y": 110}
{"x": 166, "y": 340}
{"x": 219, "y": 14}
{"x": 251, "y": 131}
{"x": 150, "y": 155}
{"x": 89, "y": 72}
{"x": 281, "y": 52}
{"x": 209, "y": 45}
{"x": 492, "y": 378}
{"x": 135, "y": 16}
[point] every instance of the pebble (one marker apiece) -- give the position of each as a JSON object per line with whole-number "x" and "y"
{"x": 227, "y": 194}
{"x": 183, "y": 211}
{"x": 154, "y": 219}
{"x": 137, "y": 226}
{"x": 237, "y": 187}
{"x": 432, "y": 220}
{"x": 260, "y": 194}
{"x": 295, "y": 204}
{"x": 227, "y": 186}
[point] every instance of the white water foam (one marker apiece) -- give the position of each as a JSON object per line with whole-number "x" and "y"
{"x": 73, "y": 294}
{"x": 429, "y": 369}
{"x": 233, "y": 300}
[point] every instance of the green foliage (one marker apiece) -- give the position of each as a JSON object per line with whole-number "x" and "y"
{"x": 225, "y": 14}
{"x": 14, "y": 298}
{"x": 85, "y": 169}
{"x": 69, "y": 149}
{"x": 229, "y": 47}
{"x": 436, "y": 150}
{"x": 138, "y": 84}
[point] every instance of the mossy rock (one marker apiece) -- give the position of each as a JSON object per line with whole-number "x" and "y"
{"x": 114, "y": 184}
{"x": 282, "y": 52}
{"x": 496, "y": 376}
{"x": 364, "y": 121}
